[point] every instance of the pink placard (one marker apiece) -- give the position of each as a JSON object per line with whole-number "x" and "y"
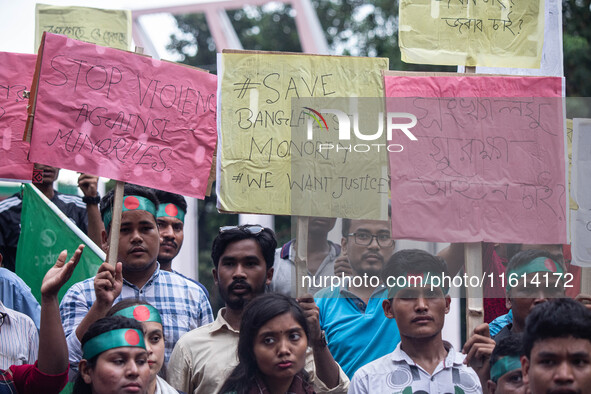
{"x": 16, "y": 75}
{"x": 124, "y": 116}
{"x": 488, "y": 164}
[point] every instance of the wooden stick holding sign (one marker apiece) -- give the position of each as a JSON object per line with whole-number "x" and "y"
{"x": 115, "y": 224}
{"x": 586, "y": 280}
{"x": 473, "y": 267}
{"x": 301, "y": 258}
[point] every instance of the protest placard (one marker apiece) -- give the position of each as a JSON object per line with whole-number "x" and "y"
{"x": 490, "y": 162}
{"x": 581, "y": 247}
{"x": 111, "y": 28}
{"x": 16, "y": 74}
{"x": 494, "y": 33}
{"x": 123, "y": 116}
{"x": 280, "y": 149}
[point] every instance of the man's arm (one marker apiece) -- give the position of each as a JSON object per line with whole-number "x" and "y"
{"x": 53, "y": 350}
{"x": 327, "y": 369}
{"x": 178, "y": 370}
{"x": 478, "y": 349}
{"x": 107, "y": 286}
{"x": 89, "y": 186}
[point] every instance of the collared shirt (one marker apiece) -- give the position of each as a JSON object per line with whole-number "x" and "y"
{"x": 182, "y": 305}
{"x": 15, "y": 294}
{"x": 10, "y": 221}
{"x": 397, "y": 373}
{"x": 357, "y": 333}
{"x": 19, "y": 340}
{"x": 203, "y": 359}
{"x": 284, "y": 270}
{"x": 29, "y": 379}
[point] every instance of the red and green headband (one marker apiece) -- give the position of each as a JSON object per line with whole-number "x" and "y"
{"x": 171, "y": 210}
{"x": 122, "y": 337}
{"x": 140, "y": 313}
{"x": 132, "y": 203}
{"x": 539, "y": 264}
{"x": 503, "y": 366}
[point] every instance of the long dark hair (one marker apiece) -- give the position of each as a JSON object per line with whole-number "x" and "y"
{"x": 256, "y": 314}
{"x": 98, "y": 327}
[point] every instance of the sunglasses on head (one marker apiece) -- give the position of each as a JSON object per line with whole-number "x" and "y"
{"x": 249, "y": 228}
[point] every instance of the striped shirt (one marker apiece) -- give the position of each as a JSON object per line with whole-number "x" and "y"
{"x": 10, "y": 221}
{"x": 19, "y": 340}
{"x": 182, "y": 304}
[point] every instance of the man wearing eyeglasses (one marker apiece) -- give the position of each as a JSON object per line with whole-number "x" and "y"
{"x": 202, "y": 359}
{"x": 351, "y": 315}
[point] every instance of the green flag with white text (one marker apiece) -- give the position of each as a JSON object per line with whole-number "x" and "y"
{"x": 45, "y": 232}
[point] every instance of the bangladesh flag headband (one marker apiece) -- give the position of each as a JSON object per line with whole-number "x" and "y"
{"x": 140, "y": 313}
{"x": 169, "y": 209}
{"x": 504, "y": 365}
{"x": 415, "y": 279}
{"x": 132, "y": 203}
{"x": 539, "y": 264}
{"x": 122, "y": 337}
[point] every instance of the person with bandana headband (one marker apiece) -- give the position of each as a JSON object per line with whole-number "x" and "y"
{"x": 183, "y": 306}
{"x": 114, "y": 358}
{"x": 422, "y": 362}
{"x": 505, "y": 371}
{"x": 170, "y": 217}
{"x": 151, "y": 321}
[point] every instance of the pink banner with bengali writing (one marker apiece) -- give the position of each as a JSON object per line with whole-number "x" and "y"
{"x": 488, "y": 163}
{"x": 16, "y": 75}
{"x": 124, "y": 116}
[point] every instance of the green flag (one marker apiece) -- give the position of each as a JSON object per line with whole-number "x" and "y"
{"x": 45, "y": 232}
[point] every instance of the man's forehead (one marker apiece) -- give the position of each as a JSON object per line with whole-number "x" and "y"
{"x": 375, "y": 225}
{"x": 247, "y": 246}
{"x": 135, "y": 216}
{"x": 169, "y": 220}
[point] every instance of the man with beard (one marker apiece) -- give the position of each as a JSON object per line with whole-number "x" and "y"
{"x": 351, "y": 315}
{"x": 203, "y": 358}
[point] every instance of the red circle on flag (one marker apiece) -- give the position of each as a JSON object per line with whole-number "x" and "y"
{"x": 548, "y": 263}
{"x": 171, "y": 210}
{"x": 131, "y": 202}
{"x": 141, "y": 313}
{"x": 132, "y": 337}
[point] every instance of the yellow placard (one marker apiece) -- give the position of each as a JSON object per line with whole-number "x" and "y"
{"x": 111, "y": 28}
{"x": 493, "y": 33}
{"x": 268, "y": 163}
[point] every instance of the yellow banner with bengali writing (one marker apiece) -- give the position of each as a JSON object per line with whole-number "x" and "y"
{"x": 110, "y": 28}
{"x": 279, "y": 150}
{"x": 492, "y": 33}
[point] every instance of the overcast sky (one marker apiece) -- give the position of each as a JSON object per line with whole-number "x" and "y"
{"x": 17, "y": 30}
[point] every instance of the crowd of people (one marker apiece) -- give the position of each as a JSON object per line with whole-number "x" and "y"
{"x": 141, "y": 327}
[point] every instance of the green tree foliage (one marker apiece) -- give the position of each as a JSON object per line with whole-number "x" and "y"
{"x": 576, "y": 23}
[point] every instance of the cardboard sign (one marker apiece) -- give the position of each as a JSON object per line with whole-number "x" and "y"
{"x": 489, "y": 163}
{"x": 494, "y": 33}
{"x": 276, "y": 155}
{"x": 111, "y": 28}
{"x": 123, "y": 116}
{"x": 16, "y": 75}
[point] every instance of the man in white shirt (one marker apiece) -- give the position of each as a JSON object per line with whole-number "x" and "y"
{"x": 423, "y": 361}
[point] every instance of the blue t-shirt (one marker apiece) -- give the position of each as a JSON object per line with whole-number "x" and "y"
{"x": 356, "y": 333}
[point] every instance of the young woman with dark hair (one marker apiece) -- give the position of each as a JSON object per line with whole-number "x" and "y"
{"x": 114, "y": 359}
{"x": 271, "y": 349}
{"x": 151, "y": 321}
